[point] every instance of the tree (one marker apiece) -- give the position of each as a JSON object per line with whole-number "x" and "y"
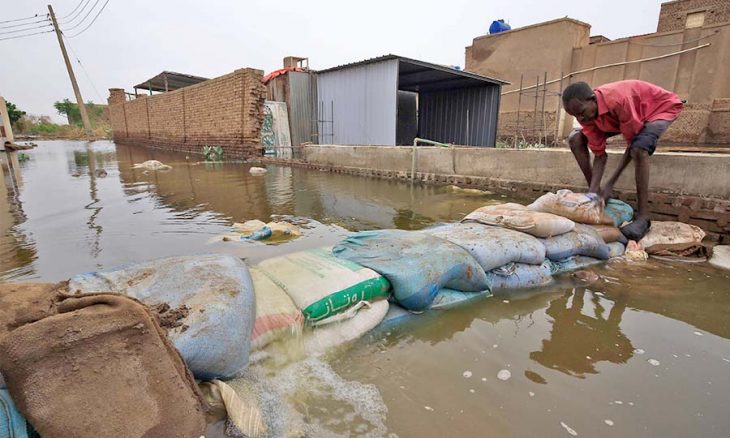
{"x": 13, "y": 112}
{"x": 72, "y": 113}
{"x": 70, "y": 110}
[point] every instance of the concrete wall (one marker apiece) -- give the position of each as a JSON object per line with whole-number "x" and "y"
{"x": 225, "y": 111}
{"x": 673, "y": 15}
{"x": 688, "y": 187}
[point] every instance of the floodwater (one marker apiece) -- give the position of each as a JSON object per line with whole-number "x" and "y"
{"x": 643, "y": 352}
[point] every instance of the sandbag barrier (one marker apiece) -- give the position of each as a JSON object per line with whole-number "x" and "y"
{"x": 215, "y": 309}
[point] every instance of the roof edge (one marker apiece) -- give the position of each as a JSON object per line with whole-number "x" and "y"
{"x": 530, "y": 26}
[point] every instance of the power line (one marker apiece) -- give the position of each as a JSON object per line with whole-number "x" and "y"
{"x": 24, "y": 24}
{"x": 69, "y": 14}
{"x": 86, "y": 73}
{"x": 92, "y": 21}
{"x": 25, "y": 30}
{"x": 86, "y": 3}
{"x": 85, "y": 16}
{"x": 19, "y": 19}
{"x": 23, "y": 36}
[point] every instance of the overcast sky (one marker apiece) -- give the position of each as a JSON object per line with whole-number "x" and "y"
{"x": 132, "y": 40}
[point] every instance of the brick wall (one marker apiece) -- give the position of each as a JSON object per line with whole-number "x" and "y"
{"x": 137, "y": 122}
{"x": 673, "y": 15}
{"x": 226, "y": 111}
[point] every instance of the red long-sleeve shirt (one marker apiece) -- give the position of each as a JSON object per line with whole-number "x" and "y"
{"x": 624, "y": 107}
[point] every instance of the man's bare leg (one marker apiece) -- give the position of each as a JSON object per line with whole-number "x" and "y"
{"x": 579, "y": 146}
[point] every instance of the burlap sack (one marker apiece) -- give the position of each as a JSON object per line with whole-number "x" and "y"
{"x": 95, "y": 366}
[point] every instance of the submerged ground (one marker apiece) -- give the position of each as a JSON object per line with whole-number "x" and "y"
{"x": 643, "y": 352}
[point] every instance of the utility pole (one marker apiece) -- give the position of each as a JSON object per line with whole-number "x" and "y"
{"x": 77, "y": 92}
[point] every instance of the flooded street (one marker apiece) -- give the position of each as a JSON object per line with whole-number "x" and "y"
{"x": 645, "y": 351}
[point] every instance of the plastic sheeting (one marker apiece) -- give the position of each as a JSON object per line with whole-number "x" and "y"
{"x": 417, "y": 265}
{"x": 12, "y": 422}
{"x": 492, "y": 246}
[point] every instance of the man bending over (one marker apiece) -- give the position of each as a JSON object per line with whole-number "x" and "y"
{"x": 637, "y": 110}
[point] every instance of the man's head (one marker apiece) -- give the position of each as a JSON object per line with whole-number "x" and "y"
{"x": 579, "y": 101}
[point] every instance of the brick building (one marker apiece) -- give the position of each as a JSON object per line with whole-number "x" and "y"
{"x": 688, "y": 14}
{"x": 226, "y": 111}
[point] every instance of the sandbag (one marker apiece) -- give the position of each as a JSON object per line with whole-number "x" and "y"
{"x": 326, "y": 337}
{"x": 520, "y": 218}
{"x": 584, "y": 208}
{"x": 242, "y": 414}
{"x": 491, "y": 246}
{"x": 721, "y": 256}
{"x": 21, "y": 303}
{"x": 618, "y": 211}
{"x": 583, "y": 240}
{"x": 616, "y": 249}
{"x": 276, "y": 315}
{"x": 575, "y": 263}
{"x": 417, "y": 265}
{"x": 100, "y": 366}
{"x": 672, "y": 238}
{"x": 12, "y": 422}
{"x": 610, "y": 234}
{"x": 206, "y": 302}
{"x": 448, "y": 298}
{"x": 522, "y": 276}
{"x": 322, "y": 285}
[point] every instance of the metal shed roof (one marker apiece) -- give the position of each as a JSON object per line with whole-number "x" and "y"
{"x": 415, "y": 75}
{"x": 169, "y": 80}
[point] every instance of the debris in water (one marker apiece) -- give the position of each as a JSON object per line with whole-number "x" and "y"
{"x": 639, "y": 351}
{"x": 152, "y": 165}
{"x": 631, "y": 403}
{"x": 726, "y": 359}
{"x": 532, "y": 394}
{"x": 618, "y": 402}
{"x": 504, "y": 375}
{"x": 505, "y": 301}
{"x": 608, "y": 422}
{"x": 569, "y": 429}
{"x": 654, "y": 362}
{"x": 257, "y": 171}
{"x": 428, "y": 408}
{"x": 467, "y": 374}
{"x": 472, "y": 391}
{"x": 495, "y": 345}
{"x": 698, "y": 333}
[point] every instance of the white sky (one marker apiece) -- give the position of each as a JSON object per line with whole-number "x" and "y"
{"x": 132, "y": 40}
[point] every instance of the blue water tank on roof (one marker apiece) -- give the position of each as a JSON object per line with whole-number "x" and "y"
{"x": 499, "y": 26}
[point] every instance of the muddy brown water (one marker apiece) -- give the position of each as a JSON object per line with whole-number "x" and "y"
{"x": 642, "y": 352}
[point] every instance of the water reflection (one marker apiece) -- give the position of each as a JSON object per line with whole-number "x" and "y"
{"x": 584, "y": 332}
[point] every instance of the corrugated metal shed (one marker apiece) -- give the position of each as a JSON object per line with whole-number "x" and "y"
{"x": 302, "y": 109}
{"x": 358, "y": 103}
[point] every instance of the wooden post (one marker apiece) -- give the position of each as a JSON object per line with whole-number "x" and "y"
{"x": 5, "y": 117}
{"x": 77, "y": 92}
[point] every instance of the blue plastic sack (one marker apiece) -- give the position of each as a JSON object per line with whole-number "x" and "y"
{"x": 522, "y": 276}
{"x": 575, "y": 263}
{"x": 616, "y": 249}
{"x": 492, "y": 246}
{"x": 448, "y": 298}
{"x": 416, "y": 265}
{"x": 618, "y": 211}
{"x": 215, "y": 294}
{"x": 12, "y": 423}
{"x": 583, "y": 240}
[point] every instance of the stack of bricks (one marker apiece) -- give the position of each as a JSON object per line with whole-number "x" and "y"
{"x": 225, "y": 111}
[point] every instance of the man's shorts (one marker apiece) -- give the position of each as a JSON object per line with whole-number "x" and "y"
{"x": 646, "y": 139}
